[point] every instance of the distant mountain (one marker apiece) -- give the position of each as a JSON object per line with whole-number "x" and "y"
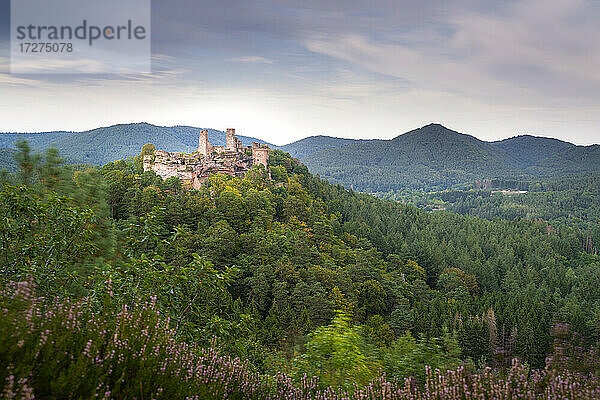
{"x": 435, "y": 158}
{"x": 431, "y": 157}
{"x": 305, "y": 147}
{"x": 102, "y": 145}
{"x": 531, "y": 149}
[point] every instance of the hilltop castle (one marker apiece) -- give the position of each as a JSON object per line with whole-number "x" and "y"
{"x": 193, "y": 169}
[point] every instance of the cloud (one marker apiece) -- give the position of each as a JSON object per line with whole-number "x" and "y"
{"x": 54, "y": 65}
{"x": 373, "y": 69}
{"x": 530, "y": 50}
{"x": 8, "y": 80}
{"x": 559, "y": 39}
{"x": 251, "y": 59}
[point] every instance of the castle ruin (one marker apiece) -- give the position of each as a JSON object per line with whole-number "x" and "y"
{"x": 193, "y": 169}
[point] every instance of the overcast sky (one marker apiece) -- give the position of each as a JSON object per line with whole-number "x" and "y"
{"x": 282, "y": 70}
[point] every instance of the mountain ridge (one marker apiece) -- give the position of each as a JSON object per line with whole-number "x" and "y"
{"x": 434, "y": 157}
{"x": 308, "y": 145}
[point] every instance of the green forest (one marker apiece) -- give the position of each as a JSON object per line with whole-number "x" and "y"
{"x": 279, "y": 284}
{"x": 562, "y": 202}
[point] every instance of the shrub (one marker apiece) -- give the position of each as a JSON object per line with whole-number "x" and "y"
{"x": 69, "y": 349}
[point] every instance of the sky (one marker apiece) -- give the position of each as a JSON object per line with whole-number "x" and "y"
{"x": 282, "y": 70}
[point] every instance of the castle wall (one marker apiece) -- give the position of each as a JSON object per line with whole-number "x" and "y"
{"x": 193, "y": 169}
{"x": 260, "y": 155}
{"x": 238, "y": 144}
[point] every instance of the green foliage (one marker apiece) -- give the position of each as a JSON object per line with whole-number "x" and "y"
{"x": 402, "y": 318}
{"x": 573, "y": 201}
{"x": 378, "y": 331}
{"x": 455, "y": 280}
{"x": 473, "y": 338}
{"x": 147, "y": 149}
{"x": 26, "y": 162}
{"x": 279, "y": 174}
{"x": 333, "y": 354}
{"x": 408, "y": 356}
{"x": 51, "y": 239}
{"x": 413, "y": 271}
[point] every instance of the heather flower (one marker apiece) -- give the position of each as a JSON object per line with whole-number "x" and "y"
{"x": 136, "y": 353}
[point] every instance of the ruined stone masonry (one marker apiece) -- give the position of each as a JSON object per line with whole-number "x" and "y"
{"x": 193, "y": 169}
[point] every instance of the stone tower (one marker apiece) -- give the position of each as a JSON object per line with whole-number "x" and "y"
{"x": 260, "y": 154}
{"x": 231, "y": 139}
{"x": 203, "y": 144}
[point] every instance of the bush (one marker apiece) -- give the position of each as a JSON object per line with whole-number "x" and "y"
{"x": 66, "y": 350}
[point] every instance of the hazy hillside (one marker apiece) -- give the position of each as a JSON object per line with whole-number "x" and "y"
{"x": 36, "y": 140}
{"x": 574, "y": 160}
{"x": 7, "y": 161}
{"x": 436, "y": 158}
{"x": 305, "y": 147}
{"x": 531, "y": 149}
{"x": 102, "y": 145}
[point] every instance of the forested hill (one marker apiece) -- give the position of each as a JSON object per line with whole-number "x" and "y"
{"x": 435, "y": 158}
{"x": 102, "y": 145}
{"x": 529, "y": 150}
{"x": 307, "y": 146}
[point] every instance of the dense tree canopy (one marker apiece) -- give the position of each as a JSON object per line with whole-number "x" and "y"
{"x": 265, "y": 265}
